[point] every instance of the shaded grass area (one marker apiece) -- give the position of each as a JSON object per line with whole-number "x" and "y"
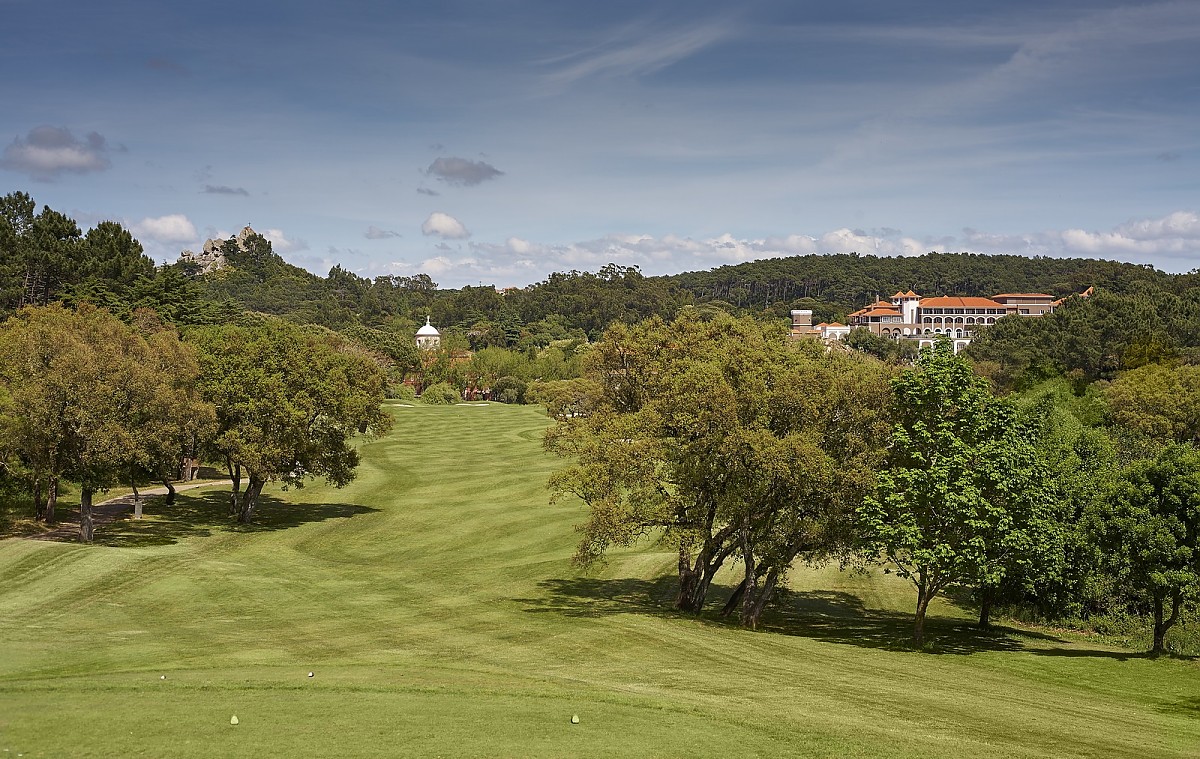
{"x": 208, "y": 512}
{"x": 435, "y": 601}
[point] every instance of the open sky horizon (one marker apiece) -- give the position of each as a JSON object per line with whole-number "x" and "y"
{"x": 489, "y": 142}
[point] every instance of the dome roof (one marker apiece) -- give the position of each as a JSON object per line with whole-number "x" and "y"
{"x": 428, "y": 330}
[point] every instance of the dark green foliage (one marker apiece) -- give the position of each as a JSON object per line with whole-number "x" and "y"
{"x": 440, "y": 394}
{"x": 509, "y": 390}
{"x": 1149, "y": 533}
{"x": 1093, "y": 338}
{"x": 850, "y": 281}
{"x": 883, "y": 348}
{"x": 288, "y": 400}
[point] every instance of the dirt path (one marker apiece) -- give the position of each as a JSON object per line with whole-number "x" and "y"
{"x": 104, "y": 512}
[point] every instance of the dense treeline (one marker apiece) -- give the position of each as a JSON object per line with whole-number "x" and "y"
{"x": 90, "y": 399}
{"x": 733, "y": 447}
{"x": 1094, "y": 338}
{"x": 44, "y": 257}
{"x": 849, "y": 281}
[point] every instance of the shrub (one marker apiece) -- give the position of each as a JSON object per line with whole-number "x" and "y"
{"x": 440, "y": 394}
{"x": 402, "y": 392}
{"x": 509, "y": 390}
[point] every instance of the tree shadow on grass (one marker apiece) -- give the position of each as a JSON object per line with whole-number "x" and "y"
{"x": 830, "y": 616}
{"x": 1102, "y": 653}
{"x": 839, "y": 617}
{"x": 208, "y": 513}
{"x": 593, "y": 597}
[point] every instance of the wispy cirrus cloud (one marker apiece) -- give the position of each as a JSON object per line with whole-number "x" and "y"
{"x": 634, "y": 52}
{"x": 220, "y": 189}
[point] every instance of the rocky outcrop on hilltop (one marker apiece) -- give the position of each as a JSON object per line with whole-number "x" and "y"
{"x": 211, "y": 258}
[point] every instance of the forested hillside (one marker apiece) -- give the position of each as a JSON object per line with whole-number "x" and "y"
{"x": 45, "y": 257}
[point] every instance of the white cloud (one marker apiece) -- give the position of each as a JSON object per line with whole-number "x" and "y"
{"x": 47, "y": 151}
{"x": 281, "y": 244}
{"x": 1172, "y": 236}
{"x": 517, "y": 245}
{"x": 375, "y": 233}
{"x": 1183, "y": 225}
{"x": 445, "y": 226}
{"x": 517, "y": 261}
{"x": 172, "y": 228}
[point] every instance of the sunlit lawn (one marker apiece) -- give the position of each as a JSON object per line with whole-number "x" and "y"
{"x": 435, "y": 602}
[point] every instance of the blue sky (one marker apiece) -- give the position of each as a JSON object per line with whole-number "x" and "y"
{"x": 499, "y": 141}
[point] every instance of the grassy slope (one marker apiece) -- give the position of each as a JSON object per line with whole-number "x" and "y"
{"x": 435, "y": 600}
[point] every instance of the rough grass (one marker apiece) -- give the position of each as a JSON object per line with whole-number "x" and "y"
{"x": 435, "y": 602}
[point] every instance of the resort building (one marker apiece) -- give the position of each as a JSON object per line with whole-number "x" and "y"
{"x": 908, "y": 316}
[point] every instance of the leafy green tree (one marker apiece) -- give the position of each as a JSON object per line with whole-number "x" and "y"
{"x": 440, "y": 394}
{"x": 719, "y": 437}
{"x": 1159, "y": 402}
{"x": 962, "y": 498}
{"x": 92, "y": 399}
{"x": 1068, "y": 429}
{"x": 289, "y": 401}
{"x": 882, "y": 348}
{"x": 1150, "y": 534}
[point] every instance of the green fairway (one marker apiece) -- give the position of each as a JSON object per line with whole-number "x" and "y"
{"x": 435, "y": 602}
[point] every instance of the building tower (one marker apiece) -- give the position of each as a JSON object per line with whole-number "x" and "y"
{"x": 428, "y": 337}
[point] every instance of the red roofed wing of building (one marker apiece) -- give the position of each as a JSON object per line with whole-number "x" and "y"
{"x": 953, "y": 302}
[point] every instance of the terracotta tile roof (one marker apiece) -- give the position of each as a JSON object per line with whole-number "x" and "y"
{"x": 881, "y": 304}
{"x": 911, "y": 294}
{"x": 835, "y": 324}
{"x": 882, "y": 312}
{"x": 898, "y": 294}
{"x": 949, "y": 302}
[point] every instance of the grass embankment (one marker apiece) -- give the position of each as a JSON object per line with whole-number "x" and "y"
{"x": 435, "y": 602}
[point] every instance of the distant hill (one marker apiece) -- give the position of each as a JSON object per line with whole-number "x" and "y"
{"x": 846, "y": 282}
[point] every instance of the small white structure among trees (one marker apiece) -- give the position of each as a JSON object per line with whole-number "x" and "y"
{"x": 428, "y": 337}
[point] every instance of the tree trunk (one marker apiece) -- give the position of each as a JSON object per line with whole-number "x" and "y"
{"x": 735, "y": 600}
{"x": 137, "y": 500}
{"x": 923, "y": 598}
{"x": 985, "y": 607}
{"x": 693, "y": 588}
{"x": 39, "y": 506}
{"x": 750, "y": 567}
{"x": 1160, "y": 630}
{"x": 752, "y": 612}
{"x": 86, "y": 526}
{"x": 51, "y": 498}
{"x": 170, "y": 491}
{"x": 689, "y": 589}
{"x": 1161, "y": 626}
{"x": 250, "y": 499}
{"x": 235, "y": 474}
